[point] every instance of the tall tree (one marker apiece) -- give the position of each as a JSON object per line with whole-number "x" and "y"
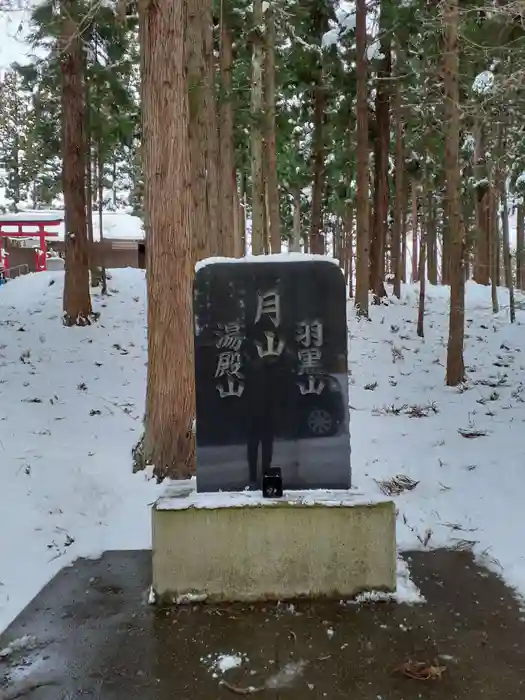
{"x": 170, "y": 399}
{"x": 422, "y": 285}
{"x": 381, "y": 159}
{"x": 431, "y": 235}
{"x": 76, "y": 299}
{"x": 455, "y": 364}
{"x": 12, "y": 118}
{"x": 414, "y": 190}
{"x": 257, "y": 117}
{"x": 223, "y": 238}
{"x": 361, "y": 292}
{"x": 520, "y": 246}
{"x": 100, "y": 212}
{"x": 319, "y": 97}
{"x": 227, "y": 183}
{"x": 507, "y": 257}
{"x": 399, "y": 214}
{"x": 94, "y": 269}
{"x": 204, "y": 242}
{"x": 482, "y": 208}
{"x": 494, "y": 250}
{"x": 317, "y": 241}
{"x": 271, "y": 136}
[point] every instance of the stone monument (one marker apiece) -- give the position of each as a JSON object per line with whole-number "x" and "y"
{"x": 271, "y": 374}
{"x": 272, "y": 515}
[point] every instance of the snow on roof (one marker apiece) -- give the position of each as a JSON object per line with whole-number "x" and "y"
{"x": 116, "y": 225}
{"x": 275, "y": 257}
{"x": 33, "y": 216}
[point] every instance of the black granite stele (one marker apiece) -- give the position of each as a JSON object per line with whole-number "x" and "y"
{"x": 271, "y": 374}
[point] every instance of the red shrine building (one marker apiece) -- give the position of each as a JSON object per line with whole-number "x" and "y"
{"x": 27, "y": 227}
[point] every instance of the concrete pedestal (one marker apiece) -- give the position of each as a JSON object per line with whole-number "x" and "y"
{"x": 241, "y": 547}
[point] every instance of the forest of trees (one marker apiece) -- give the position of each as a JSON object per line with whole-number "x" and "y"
{"x": 386, "y": 133}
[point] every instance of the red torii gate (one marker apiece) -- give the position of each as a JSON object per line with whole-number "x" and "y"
{"x": 17, "y": 225}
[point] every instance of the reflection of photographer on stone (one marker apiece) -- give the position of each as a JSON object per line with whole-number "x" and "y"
{"x": 266, "y": 369}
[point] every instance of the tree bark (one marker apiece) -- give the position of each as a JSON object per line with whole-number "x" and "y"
{"x": 361, "y": 296}
{"x": 242, "y": 209}
{"x": 76, "y": 298}
{"x": 336, "y": 239}
{"x": 415, "y": 265}
{"x": 257, "y": 115}
{"x": 520, "y": 246}
{"x": 222, "y": 240}
{"x": 271, "y": 137}
{"x": 506, "y": 249}
{"x": 404, "y": 224}
{"x": 500, "y": 201}
{"x": 114, "y": 180}
{"x": 169, "y": 441}
{"x": 482, "y": 192}
{"x": 97, "y": 275}
{"x": 295, "y": 246}
{"x": 397, "y": 254}
{"x": 494, "y": 235}
{"x": 266, "y": 217}
{"x": 317, "y": 242}
{"x": 100, "y": 180}
{"x": 204, "y": 241}
{"x": 95, "y": 270}
{"x": 494, "y": 250}
{"x": 227, "y": 181}
{"x": 445, "y": 247}
{"x": 422, "y": 286}
{"x": 237, "y": 226}
{"x": 348, "y": 235}
{"x": 431, "y": 238}
{"x": 455, "y": 364}
{"x": 382, "y": 153}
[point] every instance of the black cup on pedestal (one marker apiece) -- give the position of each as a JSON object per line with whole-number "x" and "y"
{"x": 272, "y": 483}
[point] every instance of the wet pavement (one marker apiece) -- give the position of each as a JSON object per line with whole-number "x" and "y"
{"x": 91, "y": 634}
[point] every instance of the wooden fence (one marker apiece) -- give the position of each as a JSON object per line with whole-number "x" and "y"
{"x": 109, "y": 253}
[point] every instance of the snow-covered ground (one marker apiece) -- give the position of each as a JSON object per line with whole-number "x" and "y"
{"x": 71, "y": 402}
{"x": 470, "y": 489}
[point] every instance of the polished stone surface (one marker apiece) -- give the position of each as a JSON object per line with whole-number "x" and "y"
{"x": 271, "y": 374}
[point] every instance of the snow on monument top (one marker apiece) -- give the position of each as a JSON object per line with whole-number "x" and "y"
{"x": 274, "y": 258}
{"x": 184, "y": 496}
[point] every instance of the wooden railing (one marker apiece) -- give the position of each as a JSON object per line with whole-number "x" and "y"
{"x": 17, "y": 271}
